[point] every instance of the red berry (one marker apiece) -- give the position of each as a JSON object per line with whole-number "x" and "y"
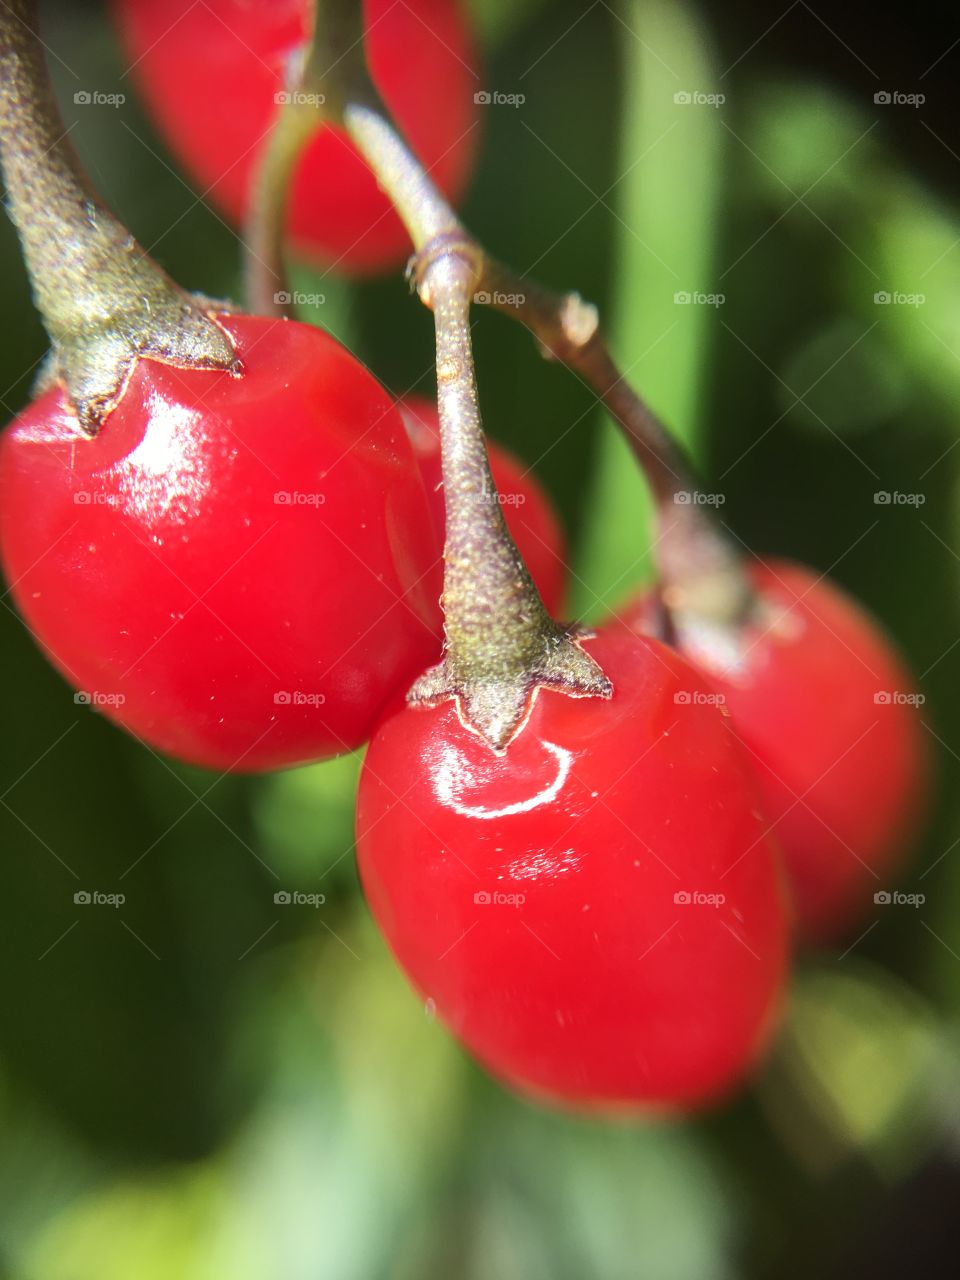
{"x": 212, "y": 71}
{"x": 532, "y": 521}
{"x": 827, "y": 710}
{"x": 242, "y": 570}
{"x": 540, "y": 898}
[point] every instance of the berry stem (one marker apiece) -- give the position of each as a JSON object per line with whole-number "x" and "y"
{"x": 266, "y": 285}
{"x": 332, "y": 63}
{"x": 498, "y": 633}
{"x": 103, "y": 301}
{"x": 501, "y": 644}
{"x": 705, "y": 591}
{"x": 700, "y": 567}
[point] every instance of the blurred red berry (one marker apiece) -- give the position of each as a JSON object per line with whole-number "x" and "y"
{"x": 214, "y": 74}
{"x": 828, "y": 713}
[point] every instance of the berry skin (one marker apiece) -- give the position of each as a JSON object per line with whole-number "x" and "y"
{"x": 839, "y": 754}
{"x": 590, "y": 981}
{"x": 248, "y": 563}
{"x": 532, "y": 522}
{"x": 210, "y": 73}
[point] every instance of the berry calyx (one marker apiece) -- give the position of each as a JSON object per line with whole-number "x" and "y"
{"x": 502, "y": 647}
{"x": 828, "y": 714}
{"x": 597, "y": 911}
{"x": 217, "y": 76}
{"x": 529, "y": 515}
{"x": 105, "y": 304}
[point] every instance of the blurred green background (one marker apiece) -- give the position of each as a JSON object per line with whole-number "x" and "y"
{"x": 206, "y": 1084}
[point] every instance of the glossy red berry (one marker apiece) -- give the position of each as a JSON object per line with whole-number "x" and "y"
{"x": 596, "y": 912}
{"x": 239, "y": 571}
{"x": 212, "y": 72}
{"x": 532, "y": 521}
{"x": 828, "y": 713}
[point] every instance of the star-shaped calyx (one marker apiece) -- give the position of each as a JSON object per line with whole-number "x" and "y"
{"x": 497, "y": 706}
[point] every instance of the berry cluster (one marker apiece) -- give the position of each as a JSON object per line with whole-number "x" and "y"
{"x": 588, "y": 849}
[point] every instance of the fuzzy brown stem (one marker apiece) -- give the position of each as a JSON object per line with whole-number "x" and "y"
{"x": 494, "y": 614}
{"x": 501, "y": 644}
{"x": 700, "y": 567}
{"x": 102, "y": 300}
